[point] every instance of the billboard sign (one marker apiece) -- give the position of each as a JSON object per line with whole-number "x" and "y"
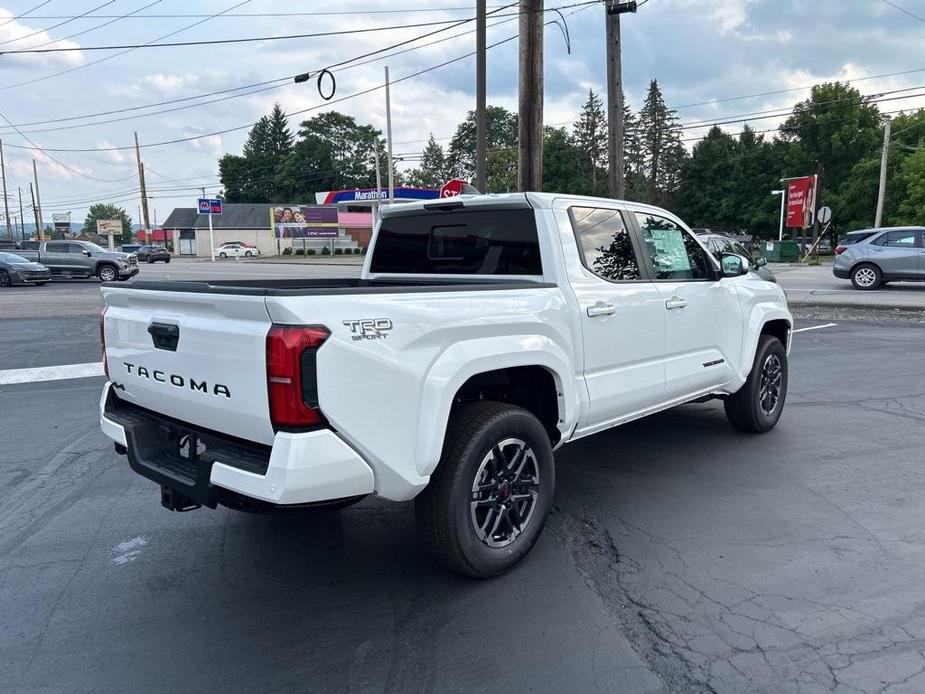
{"x": 62, "y": 222}
{"x": 107, "y": 227}
{"x": 801, "y": 202}
{"x": 304, "y": 222}
{"x": 332, "y": 197}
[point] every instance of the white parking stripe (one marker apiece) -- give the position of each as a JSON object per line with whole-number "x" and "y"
{"x": 815, "y": 327}
{"x": 50, "y": 373}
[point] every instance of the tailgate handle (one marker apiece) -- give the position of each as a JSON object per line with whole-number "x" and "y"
{"x": 165, "y": 336}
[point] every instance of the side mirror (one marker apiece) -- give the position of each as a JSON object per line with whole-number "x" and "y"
{"x": 761, "y": 261}
{"x": 733, "y": 265}
{"x": 86, "y": 252}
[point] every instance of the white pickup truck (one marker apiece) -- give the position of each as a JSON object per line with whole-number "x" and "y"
{"x": 483, "y": 333}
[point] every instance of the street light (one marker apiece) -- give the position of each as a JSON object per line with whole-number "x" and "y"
{"x": 783, "y": 202}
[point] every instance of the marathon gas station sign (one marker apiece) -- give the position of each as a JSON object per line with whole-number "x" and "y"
{"x": 332, "y": 197}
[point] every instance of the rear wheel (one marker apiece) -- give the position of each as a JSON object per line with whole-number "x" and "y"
{"x": 167, "y": 259}
{"x": 866, "y": 276}
{"x": 150, "y": 258}
{"x": 107, "y": 273}
{"x": 5, "y": 279}
{"x": 487, "y": 501}
{"x": 758, "y": 404}
{"x": 223, "y": 255}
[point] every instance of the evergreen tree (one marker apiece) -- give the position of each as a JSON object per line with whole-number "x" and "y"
{"x": 590, "y": 137}
{"x": 562, "y": 164}
{"x": 633, "y": 159}
{"x": 434, "y": 169}
{"x": 279, "y": 135}
{"x": 662, "y": 151}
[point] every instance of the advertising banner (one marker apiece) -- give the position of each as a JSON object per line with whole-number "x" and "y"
{"x": 62, "y": 222}
{"x": 109, "y": 226}
{"x": 801, "y": 202}
{"x": 304, "y": 222}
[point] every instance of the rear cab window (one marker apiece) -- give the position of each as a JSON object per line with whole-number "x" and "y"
{"x": 459, "y": 242}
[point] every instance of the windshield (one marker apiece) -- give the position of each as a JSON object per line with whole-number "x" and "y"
{"x": 90, "y": 246}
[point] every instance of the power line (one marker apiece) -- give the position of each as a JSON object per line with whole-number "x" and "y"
{"x": 116, "y": 55}
{"x": 112, "y": 20}
{"x": 41, "y": 4}
{"x": 904, "y": 10}
{"x": 55, "y": 26}
{"x": 257, "y": 15}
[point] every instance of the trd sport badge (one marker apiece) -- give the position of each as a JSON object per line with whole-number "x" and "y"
{"x": 369, "y": 328}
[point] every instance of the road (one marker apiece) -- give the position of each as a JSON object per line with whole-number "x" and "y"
{"x": 681, "y": 555}
{"x": 818, "y": 287}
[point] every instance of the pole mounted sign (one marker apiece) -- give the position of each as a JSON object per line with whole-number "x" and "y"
{"x": 801, "y": 202}
{"x": 456, "y": 186}
{"x": 209, "y": 207}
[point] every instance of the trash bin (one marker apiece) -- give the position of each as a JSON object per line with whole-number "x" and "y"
{"x": 780, "y": 251}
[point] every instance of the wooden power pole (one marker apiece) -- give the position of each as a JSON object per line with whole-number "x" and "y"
{"x": 612, "y": 11}
{"x": 144, "y": 192}
{"x": 37, "y": 204}
{"x": 6, "y": 202}
{"x": 530, "y": 97}
{"x": 481, "y": 138}
{"x": 884, "y": 160}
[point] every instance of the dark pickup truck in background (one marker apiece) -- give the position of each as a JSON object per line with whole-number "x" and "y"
{"x": 79, "y": 259}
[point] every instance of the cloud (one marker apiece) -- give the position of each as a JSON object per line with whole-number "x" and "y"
{"x": 114, "y": 156}
{"x": 179, "y": 84}
{"x": 14, "y": 35}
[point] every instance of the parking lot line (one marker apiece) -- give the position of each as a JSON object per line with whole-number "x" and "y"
{"x": 50, "y": 373}
{"x": 815, "y": 327}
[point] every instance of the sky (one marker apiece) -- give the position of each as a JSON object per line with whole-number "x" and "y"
{"x": 704, "y": 53}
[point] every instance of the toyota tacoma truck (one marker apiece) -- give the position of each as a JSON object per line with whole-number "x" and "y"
{"x": 483, "y": 333}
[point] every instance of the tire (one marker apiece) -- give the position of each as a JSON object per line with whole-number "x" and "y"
{"x": 39, "y": 284}
{"x": 446, "y": 512}
{"x": 248, "y": 254}
{"x": 167, "y": 259}
{"x": 751, "y": 409}
{"x": 5, "y": 279}
{"x": 223, "y": 255}
{"x": 107, "y": 273}
{"x": 150, "y": 259}
{"x": 866, "y": 276}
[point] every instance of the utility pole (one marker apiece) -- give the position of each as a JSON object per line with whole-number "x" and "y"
{"x": 6, "y": 203}
{"x": 884, "y": 157}
{"x": 388, "y": 134}
{"x": 22, "y": 217}
{"x": 376, "y": 216}
{"x": 481, "y": 136}
{"x": 144, "y": 193}
{"x": 38, "y": 204}
{"x": 612, "y": 11}
{"x": 530, "y": 97}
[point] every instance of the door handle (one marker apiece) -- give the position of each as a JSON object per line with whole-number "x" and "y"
{"x": 601, "y": 309}
{"x": 675, "y": 302}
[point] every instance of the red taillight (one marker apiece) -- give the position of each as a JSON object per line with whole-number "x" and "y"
{"x": 840, "y": 249}
{"x": 292, "y": 385}
{"x": 103, "y": 340}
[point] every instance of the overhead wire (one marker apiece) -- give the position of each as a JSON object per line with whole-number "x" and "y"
{"x": 55, "y": 26}
{"x": 112, "y": 20}
{"x": 27, "y": 12}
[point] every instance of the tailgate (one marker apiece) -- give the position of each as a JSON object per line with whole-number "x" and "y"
{"x": 199, "y": 358}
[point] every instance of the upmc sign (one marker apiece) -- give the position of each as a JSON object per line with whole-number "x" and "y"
{"x": 801, "y": 202}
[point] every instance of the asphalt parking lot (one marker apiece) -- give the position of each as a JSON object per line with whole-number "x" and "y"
{"x": 682, "y": 556}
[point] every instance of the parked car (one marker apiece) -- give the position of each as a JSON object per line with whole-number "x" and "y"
{"x": 152, "y": 254}
{"x": 872, "y": 257}
{"x": 233, "y": 250}
{"x": 14, "y": 269}
{"x": 720, "y": 244}
{"x": 240, "y": 243}
{"x": 80, "y": 259}
{"x": 484, "y": 332}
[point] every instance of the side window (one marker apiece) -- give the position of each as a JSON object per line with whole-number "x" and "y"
{"x": 901, "y": 239}
{"x": 75, "y": 248}
{"x": 675, "y": 254}
{"x": 52, "y": 247}
{"x": 604, "y": 243}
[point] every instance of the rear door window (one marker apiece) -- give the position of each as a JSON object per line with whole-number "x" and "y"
{"x": 855, "y": 238}
{"x": 605, "y": 244}
{"x": 53, "y": 247}
{"x": 459, "y": 242}
{"x": 901, "y": 239}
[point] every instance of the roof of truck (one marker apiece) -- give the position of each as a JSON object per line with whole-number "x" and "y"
{"x": 531, "y": 199}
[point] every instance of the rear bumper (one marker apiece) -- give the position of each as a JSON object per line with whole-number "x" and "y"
{"x": 298, "y": 469}
{"x": 841, "y": 273}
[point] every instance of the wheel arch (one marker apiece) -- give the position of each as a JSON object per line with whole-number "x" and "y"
{"x": 765, "y": 319}
{"x": 528, "y": 371}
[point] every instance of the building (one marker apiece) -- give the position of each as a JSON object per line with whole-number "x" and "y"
{"x": 244, "y": 222}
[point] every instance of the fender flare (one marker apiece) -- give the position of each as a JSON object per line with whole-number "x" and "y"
{"x": 463, "y": 360}
{"x": 760, "y": 315}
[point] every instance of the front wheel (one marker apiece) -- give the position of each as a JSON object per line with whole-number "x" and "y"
{"x": 107, "y": 273}
{"x": 249, "y": 254}
{"x": 488, "y": 499}
{"x": 150, "y": 259}
{"x": 167, "y": 259}
{"x": 5, "y": 279}
{"x": 866, "y": 276}
{"x": 758, "y": 404}
{"x": 223, "y": 255}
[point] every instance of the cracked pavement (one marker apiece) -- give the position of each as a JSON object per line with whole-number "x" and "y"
{"x": 681, "y": 556}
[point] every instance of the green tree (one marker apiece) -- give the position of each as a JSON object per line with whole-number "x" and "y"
{"x": 707, "y": 196}
{"x": 501, "y": 137}
{"x": 634, "y": 182}
{"x": 107, "y": 211}
{"x": 912, "y": 173}
{"x": 662, "y": 151}
{"x": 562, "y": 164}
{"x": 254, "y": 176}
{"x": 434, "y": 170}
{"x": 589, "y": 134}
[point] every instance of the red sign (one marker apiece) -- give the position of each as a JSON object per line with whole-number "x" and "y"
{"x": 801, "y": 202}
{"x": 452, "y": 188}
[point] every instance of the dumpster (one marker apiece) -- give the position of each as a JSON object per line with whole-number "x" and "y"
{"x": 780, "y": 251}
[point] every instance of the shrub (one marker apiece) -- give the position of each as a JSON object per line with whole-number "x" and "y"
{"x": 364, "y": 249}
{"x": 357, "y": 251}
{"x": 338, "y": 251}
{"x": 300, "y": 251}
{"x": 310, "y": 251}
{"x": 287, "y": 251}
{"x": 325, "y": 251}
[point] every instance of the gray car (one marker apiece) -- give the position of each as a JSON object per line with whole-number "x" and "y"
{"x": 79, "y": 259}
{"x": 720, "y": 243}
{"x": 15, "y": 269}
{"x": 872, "y": 257}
